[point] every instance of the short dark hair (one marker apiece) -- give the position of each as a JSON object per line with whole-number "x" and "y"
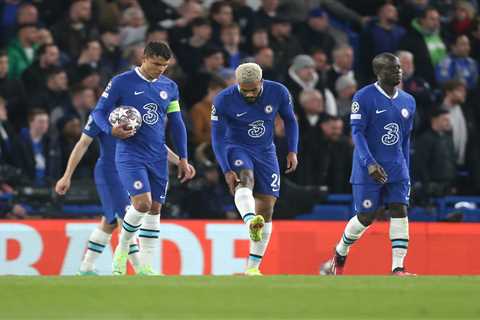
{"x": 216, "y": 82}
{"x": 211, "y": 50}
{"x": 452, "y": 84}
{"x": 217, "y": 6}
{"x": 437, "y": 112}
{"x": 43, "y": 48}
{"x": 157, "y": 49}
{"x": 423, "y": 14}
{"x": 379, "y": 61}
{"x": 200, "y": 21}
{"x": 155, "y": 28}
{"x": 54, "y": 70}
{"x": 35, "y": 112}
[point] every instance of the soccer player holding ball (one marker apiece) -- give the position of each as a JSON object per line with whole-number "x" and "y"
{"x": 382, "y": 120}
{"x": 243, "y": 119}
{"x": 141, "y": 155}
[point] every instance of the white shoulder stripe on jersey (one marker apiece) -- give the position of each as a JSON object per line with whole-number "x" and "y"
{"x": 355, "y": 116}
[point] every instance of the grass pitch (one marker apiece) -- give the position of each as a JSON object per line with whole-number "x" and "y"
{"x": 235, "y": 297}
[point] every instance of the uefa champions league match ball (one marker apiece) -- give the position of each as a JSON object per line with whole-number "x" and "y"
{"x": 126, "y": 115}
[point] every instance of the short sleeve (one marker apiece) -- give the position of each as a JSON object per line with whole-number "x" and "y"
{"x": 174, "y": 105}
{"x": 91, "y": 129}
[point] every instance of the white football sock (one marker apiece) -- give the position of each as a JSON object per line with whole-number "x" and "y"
{"x": 131, "y": 223}
{"x": 134, "y": 254}
{"x": 353, "y": 231}
{"x": 258, "y": 248}
{"x": 399, "y": 237}
{"x": 149, "y": 238}
{"x": 96, "y": 243}
{"x": 245, "y": 203}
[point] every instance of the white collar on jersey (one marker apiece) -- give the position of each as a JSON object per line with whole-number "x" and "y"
{"x": 384, "y": 93}
{"x": 137, "y": 70}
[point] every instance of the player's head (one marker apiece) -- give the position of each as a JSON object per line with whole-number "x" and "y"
{"x": 249, "y": 78}
{"x": 386, "y": 67}
{"x": 156, "y": 57}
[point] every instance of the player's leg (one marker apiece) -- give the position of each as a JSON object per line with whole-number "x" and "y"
{"x": 98, "y": 240}
{"x": 242, "y": 164}
{"x": 150, "y": 230}
{"x": 264, "y": 205}
{"x": 397, "y": 197}
{"x": 367, "y": 201}
{"x": 134, "y": 179}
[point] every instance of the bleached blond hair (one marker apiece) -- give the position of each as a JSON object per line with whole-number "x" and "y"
{"x": 248, "y": 72}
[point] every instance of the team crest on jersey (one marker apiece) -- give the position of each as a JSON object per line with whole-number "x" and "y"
{"x": 138, "y": 185}
{"x": 268, "y": 109}
{"x": 367, "y": 203}
{"x": 163, "y": 94}
{"x": 238, "y": 162}
{"x": 355, "y": 107}
{"x": 405, "y": 113}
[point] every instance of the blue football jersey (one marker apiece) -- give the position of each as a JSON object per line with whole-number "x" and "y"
{"x": 381, "y": 127}
{"x": 153, "y": 99}
{"x": 252, "y": 124}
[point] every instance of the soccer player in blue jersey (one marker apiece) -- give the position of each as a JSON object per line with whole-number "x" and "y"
{"x": 112, "y": 195}
{"x": 141, "y": 156}
{"x": 382, "y": 120}
{"x": 243, "y": 117}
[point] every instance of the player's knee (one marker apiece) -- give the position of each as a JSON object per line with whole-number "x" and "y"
{"x": 366, "y": 218}
{"x": 143, "y": 205}
{"x": 246, "y": 179}
{"x": 398, "y": 210}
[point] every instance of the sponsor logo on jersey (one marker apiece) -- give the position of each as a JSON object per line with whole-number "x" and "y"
{"x": 257, "y": 129}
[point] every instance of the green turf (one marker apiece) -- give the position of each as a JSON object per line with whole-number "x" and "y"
{"x": 235, "y": 297}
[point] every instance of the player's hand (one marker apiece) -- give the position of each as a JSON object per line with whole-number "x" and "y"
{"x": 232, "y": 180}
{"x": 184, "y": 170}
{"x": 62, "y": 186}
{"x": 122, "y": 131}
{"x": 292, "y": 162}
{"x": 377, "y": 172}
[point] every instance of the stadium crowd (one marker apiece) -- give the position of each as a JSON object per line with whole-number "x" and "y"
{"x": 57, "y": 56}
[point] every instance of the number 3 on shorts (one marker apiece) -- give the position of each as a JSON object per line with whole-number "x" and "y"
{"x": 275, "y": 182}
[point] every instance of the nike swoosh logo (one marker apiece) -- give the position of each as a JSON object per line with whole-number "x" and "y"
{"x": 138, "y": 92}
{"x": 379, "y": 111}
{"x": 241, "y": 114}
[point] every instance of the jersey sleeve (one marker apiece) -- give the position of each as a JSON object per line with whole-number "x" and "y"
{"x": 407, "y": 133}
{"x": 91, "y": 129}
{"x": 107, "y": 102}
{"x": 174, "y": 105}
{"x": 359, "y": 122}
{"x": 291, "y": 125}
{"x": 218, "y": 133}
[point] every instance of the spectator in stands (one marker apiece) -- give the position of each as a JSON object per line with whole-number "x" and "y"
{"x": 83, "y": 101}
{"x": 189, "y": 51}
{"x": 423, "y": 38}
{"x": 335, "y": 156}
{"x": 244, "y": 15}
{"x": 434, "y": 158}
{"x": 230, "y": 38}
{"x": 200, "y": 113}
{"x": 418, "y": 88}
{"x": 34, "y": 77}
{"x": 258, "y": 40}
{"x": 44, "y": 36}
{"x": 346, "y": 86}
{"x": 135, "y": 56}
{"x": 89, "y": 77}
{"x": 342, "y": 65}
{"x": 134, "y": 27}
{"x": 475, "y": 40}
{"x": 321, "y": 63}
{"x": 22, "y": 49}
{"x": 383, "y": 34}
{"x": 213, "y": 64}
{"x": 26, "y": 13}
{"x": 265, "y": 14}
{"x": 458, "y": 65}
{"x": 13, "y": 92}
{"x": 112, "y": 60}
{"x": 265, "y": 59}
{"x": 90, "y": 53}
{"x": 39, "y": 152}
{"x": 9, "y": 142}
{"x": 313, "y": 106}
{"x": 56, "y": 92}
{"x": 178, "y": 24}
{"x": 156, "y": 33}
{"x": 221, "y": 16}
{"x": 315, "y": 32}
{"x": 283, "y": 43}
{"x": 455, "y": 95}
{"x": 463, "y": 18}
{"x": 71, "y": 32}
{"x": 302, "y": 76}
{"x": 70, "y": 129}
